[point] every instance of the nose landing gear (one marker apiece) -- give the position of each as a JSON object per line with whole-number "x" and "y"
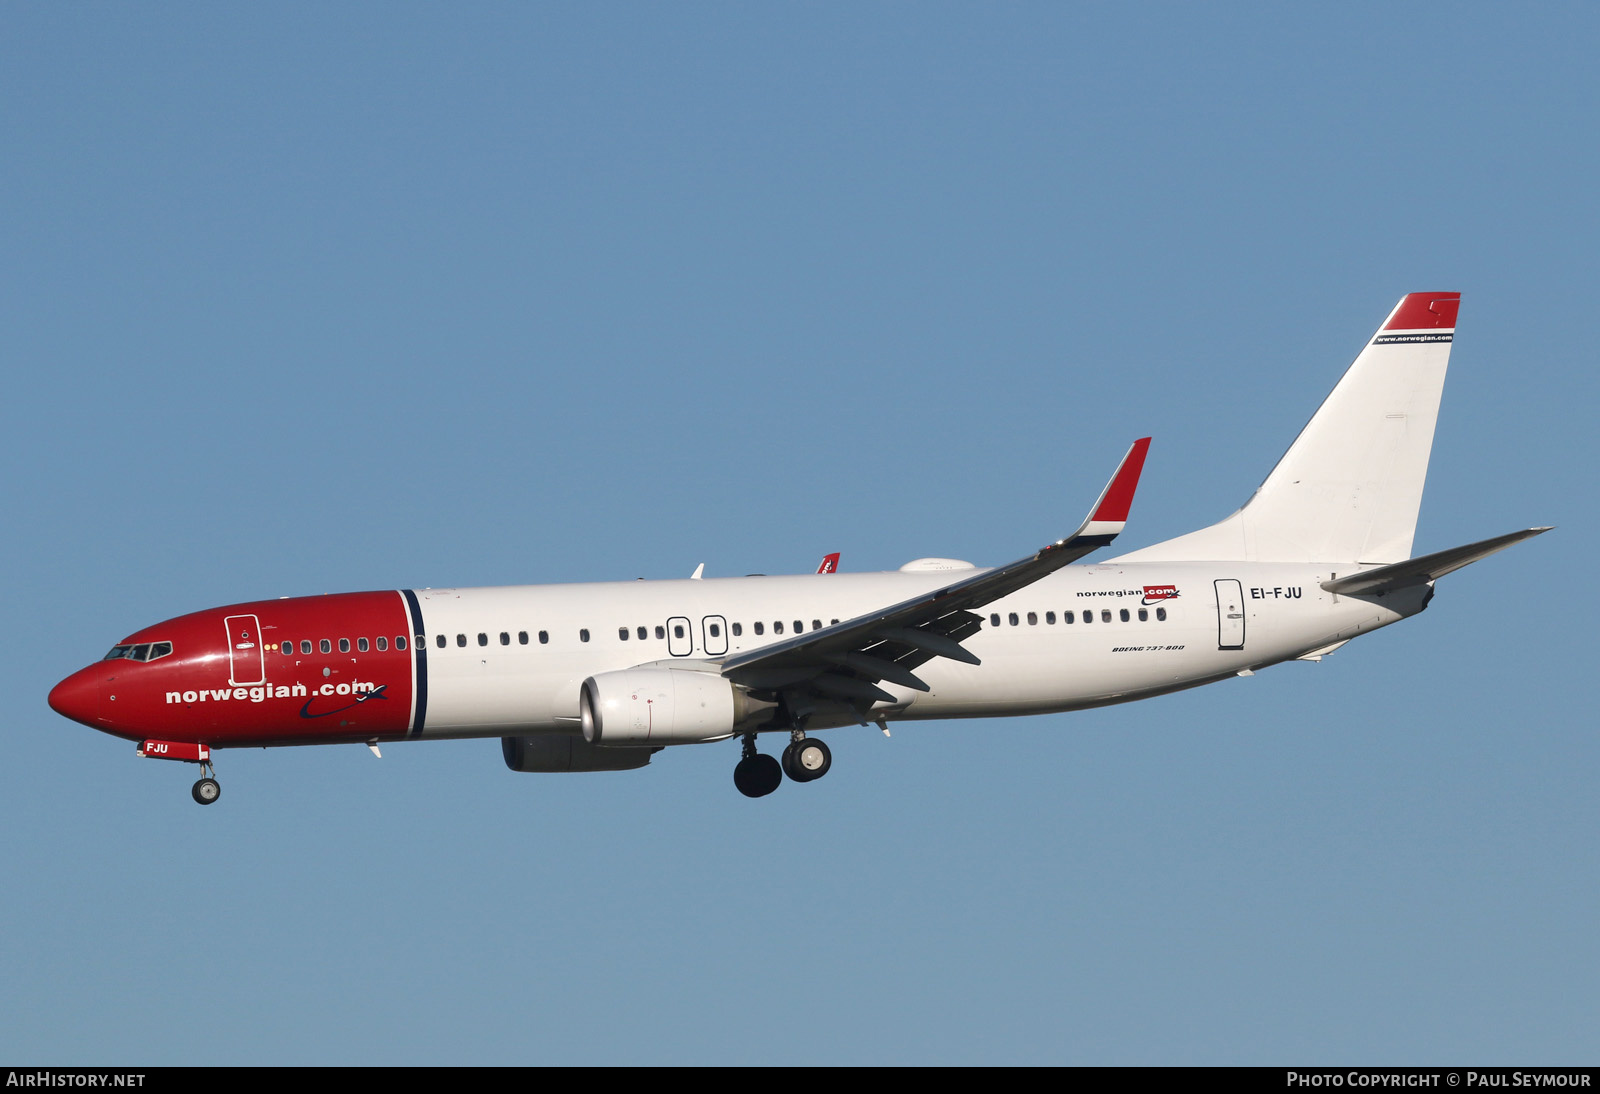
{"x": 207, "y": 790}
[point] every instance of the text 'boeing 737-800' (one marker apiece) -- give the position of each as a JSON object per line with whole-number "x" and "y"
{"x": 599, "y": 677}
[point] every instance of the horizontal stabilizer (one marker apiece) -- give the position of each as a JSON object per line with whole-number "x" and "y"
{"x": 1427, "y": 568}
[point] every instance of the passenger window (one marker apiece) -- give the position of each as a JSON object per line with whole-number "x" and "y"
{"x": 832, "y": 622}
{"x": 1033, "y": 619}
{"x": 544, "y": 638}
{"x": 1144, "y": 615}
{"x": 440, "y": 642}
{"x": 994, "y": 620}
{"x": 622, "y": 633}
{"x": 361, "y": 645}
{"x": 400, "y": 641}
{"x": 777, "y": 626}
{"x": 461, "y": 641}
{"x": 1088, "y": 617}
{"x": 505, "y": 638}
{"x": 483, "y": 639}
{"x": 1012, "y": 617}
{"x": 816, "y": 624}
{"x": 661, "y": 632}
{"x": 1105, "y": 615}
{"x": 305, "y": 645}
{"x": 716, "y": 631}
{"x": 325, "y": 646}
{"x": 344, "y": 645}
{"x": 799, "y": 627}
{"x": 1124, "y": 614}
{"x": 677, "y": 630}
{"x": 1161, "y": 615}
{"x": 761, "y": 628}
{"x": 738, "y": 629}
{"x": 583, "y": 635}
{"x": 522, "y": 638}
{"x": 1050, "y": 619}
{"x": 643, "y": 634}
{"x": 288, "y": 649}
{"x": 383, "y": 643}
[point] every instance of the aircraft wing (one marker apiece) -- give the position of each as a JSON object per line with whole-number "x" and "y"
{"x": 847, "y": 660}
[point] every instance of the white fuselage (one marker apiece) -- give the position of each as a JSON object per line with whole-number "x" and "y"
{"x": 1033, "y": 661}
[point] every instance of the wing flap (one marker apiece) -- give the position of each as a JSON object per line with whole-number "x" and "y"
{"x": 932, "y": 624}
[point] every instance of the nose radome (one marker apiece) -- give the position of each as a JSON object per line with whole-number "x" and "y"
{"x": 78, "y": 696}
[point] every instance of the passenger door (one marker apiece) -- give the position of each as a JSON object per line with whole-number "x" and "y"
{"x": 246, "y": 662}
{"x": 1230, "y": 614}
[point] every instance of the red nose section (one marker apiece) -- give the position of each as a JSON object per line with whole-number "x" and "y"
{"x": 78, "y": 696}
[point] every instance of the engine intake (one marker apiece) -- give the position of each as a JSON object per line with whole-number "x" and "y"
{"x": 648, "y": 706}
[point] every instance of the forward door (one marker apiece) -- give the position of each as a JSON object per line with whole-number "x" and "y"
{"x": 246, "y": 664}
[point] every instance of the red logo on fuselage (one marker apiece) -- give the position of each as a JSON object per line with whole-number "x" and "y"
{"x": 1153, "y": 593}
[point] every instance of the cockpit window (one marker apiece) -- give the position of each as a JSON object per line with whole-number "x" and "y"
{"x": 142, "y": 651}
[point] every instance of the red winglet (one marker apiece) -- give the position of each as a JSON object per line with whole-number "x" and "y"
{"x": 1426, "y": 311}
{"x": 1118, "y": 498}
{"x": 830, "y": 564}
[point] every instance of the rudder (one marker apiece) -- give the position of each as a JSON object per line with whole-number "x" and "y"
{"x": 1349, "y": 487}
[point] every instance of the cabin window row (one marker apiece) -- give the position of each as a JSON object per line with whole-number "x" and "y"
{"x": 443, "y": 641}
{"x": 150, "y": 651}
{"x": 625, "y": 634}
{"x": 1071, "y": 617}
{"x": 325, "y": 645}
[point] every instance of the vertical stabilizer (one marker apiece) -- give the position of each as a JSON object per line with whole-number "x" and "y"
{"x": 1349, "y": 488}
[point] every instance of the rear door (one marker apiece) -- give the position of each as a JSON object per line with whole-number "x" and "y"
{"x": 1230, "y": 614}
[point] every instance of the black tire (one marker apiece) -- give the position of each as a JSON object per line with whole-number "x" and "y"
{"x": 787, "y": 763}
{"x": 757, "y": 776}
{"x": 811, "y": 759}
{"x": 207, "y": 791}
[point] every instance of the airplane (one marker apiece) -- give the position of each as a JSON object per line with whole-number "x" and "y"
{"x": 600, "y": 677}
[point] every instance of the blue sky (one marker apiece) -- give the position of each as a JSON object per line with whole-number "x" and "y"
{"x": 297, "y": 300}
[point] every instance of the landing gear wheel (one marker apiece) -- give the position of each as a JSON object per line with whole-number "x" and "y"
{"x": 811, "y": 759}
{"x": 207, "y": 791}
{"x": 787, "y": 763}
{"x": 757, "y": 776}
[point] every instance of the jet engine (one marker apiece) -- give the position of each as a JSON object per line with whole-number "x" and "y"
{"x": 569, "y": 752}
{"x": 654, "y": 706}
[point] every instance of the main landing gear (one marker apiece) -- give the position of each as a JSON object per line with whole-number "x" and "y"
{"x": 757, "y": 775}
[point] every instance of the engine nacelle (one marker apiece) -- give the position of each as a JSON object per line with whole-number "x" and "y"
{"x": 569, "y": 752}
{"x": 649, "y": 706}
